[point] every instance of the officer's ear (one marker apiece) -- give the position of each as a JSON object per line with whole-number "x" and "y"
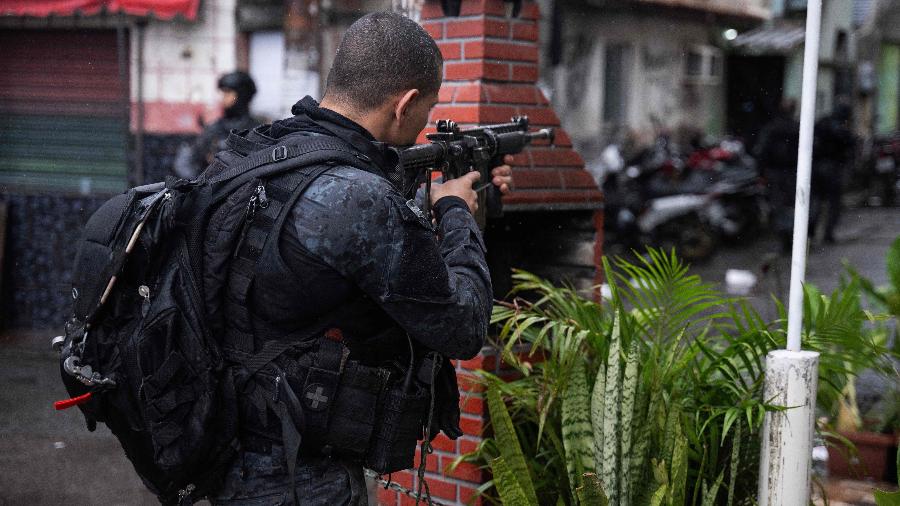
{"x": 405, "y": 104}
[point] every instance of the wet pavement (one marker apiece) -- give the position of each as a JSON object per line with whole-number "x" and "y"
{"x": 48, "y": 456}
{"x": 862, "y": 239}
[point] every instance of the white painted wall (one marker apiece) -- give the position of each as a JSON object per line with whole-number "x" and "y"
{"x": 183, "y": 60}
{"x": 267, "y": 69}
{"x": 837, "y": 15}
{"x": 659, "y": 96}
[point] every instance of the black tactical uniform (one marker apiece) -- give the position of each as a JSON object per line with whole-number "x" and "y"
{"x": 193, "y": 158}
{"x": 359, "y": 252}
{"x": 832, "y": 156}
{"x": 777, "y": 155}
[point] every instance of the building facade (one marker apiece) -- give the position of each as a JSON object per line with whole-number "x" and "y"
{"x": 768, "y": 63}
{"x": 879, "y": 57}
{"x": 626, "y": 71}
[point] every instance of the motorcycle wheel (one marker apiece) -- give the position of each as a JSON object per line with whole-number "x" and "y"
{"x": 689, "y": 236}
{"x": 746, "y": 219}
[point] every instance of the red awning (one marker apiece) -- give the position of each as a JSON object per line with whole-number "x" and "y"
{"x": 161, "y": 9}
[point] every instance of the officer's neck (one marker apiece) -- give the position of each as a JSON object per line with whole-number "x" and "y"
{"x": 376, "y": 121}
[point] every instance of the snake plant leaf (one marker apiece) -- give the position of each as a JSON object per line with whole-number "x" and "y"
{"x": 678, "y": 476}
{"x": 667, "y": 422}
{"x": 508, "y": 444}
{"x": 506, "y": 483}
{"x": 629, "y": 393}
{"x": 576, "y": 426}
{"x": 610, "y": 468}
{"x": 591, "y": 493}
{"x": 597, "y": 410}
{"x": 641, "y": 444}
{"x": 735, "y": 463}
{"x": 659, "y": 496}
{"x": 709, "y": 494}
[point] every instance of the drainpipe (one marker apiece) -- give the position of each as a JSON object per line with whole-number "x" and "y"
{"x": 792, "y": 374}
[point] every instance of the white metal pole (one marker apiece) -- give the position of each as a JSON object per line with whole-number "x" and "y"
{"x": 804, "y": 168}
{"x": 784, "y": 464}
{"x": 791, "y": 374}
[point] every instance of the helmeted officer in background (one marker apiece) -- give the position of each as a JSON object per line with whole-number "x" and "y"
{"x": 236, "y": 91}
{"x": 387, "y": 281}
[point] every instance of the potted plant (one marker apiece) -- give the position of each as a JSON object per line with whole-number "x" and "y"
{"x": 864, "y": 447}
{"x": 864, "y": 450}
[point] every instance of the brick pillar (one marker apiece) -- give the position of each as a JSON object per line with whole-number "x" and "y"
{"x": 490, "y": 75}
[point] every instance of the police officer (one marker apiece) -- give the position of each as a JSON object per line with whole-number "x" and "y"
{"x": 236, "y": 90}
{"x": 357, "y": 253}
{"x": 834, "y": 148}
{"x": 776, "y": 151}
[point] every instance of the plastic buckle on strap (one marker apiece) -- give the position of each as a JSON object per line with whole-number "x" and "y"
{"x": 279, "y": 153}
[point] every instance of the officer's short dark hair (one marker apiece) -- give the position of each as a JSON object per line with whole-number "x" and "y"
{"x": 381, "y": 54}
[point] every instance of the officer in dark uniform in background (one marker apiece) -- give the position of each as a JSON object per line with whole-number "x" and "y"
{"x": 833, "y": 153}
{"x": 358, "y": 252}
{"x": 776, "y": 151}
{"x": 236, "y": 90}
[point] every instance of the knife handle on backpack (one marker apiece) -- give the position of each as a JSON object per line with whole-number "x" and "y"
{"x": 74, "y": 401}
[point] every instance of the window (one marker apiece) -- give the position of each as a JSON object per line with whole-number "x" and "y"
{"x": 703, "y": 65}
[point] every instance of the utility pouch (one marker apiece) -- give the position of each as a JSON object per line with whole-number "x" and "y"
{"x": 353, "y": 413}
{"x": 400, "y": 426}
{"x": 402, "y": 419}
{"x": 320, "y": 389}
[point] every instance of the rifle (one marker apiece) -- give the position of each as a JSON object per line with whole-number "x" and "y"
{"x": 455, "y": 152}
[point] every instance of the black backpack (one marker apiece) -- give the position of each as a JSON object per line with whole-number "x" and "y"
{"x": 141, "y": 352}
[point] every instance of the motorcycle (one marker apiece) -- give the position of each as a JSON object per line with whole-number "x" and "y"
{"x": 642, "y": 208}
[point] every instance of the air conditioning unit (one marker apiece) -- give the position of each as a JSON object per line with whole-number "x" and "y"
{"x": 703, "y": 65}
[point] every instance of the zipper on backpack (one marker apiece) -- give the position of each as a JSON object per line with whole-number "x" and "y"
{"x": 261, "y": 196}
{"x": 144, "y": 292}
{"x": 257, "y": 200}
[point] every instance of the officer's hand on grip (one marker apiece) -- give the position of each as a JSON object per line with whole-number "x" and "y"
{"x": 502, "y": 176}
{"x": 462, "y": 187}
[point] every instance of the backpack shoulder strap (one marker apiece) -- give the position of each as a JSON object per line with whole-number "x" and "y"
{"x": 282, "y": 192}
{"x": 268, "y": 162}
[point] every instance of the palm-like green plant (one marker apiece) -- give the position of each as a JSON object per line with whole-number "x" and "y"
{"x": 654, "y": 397}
